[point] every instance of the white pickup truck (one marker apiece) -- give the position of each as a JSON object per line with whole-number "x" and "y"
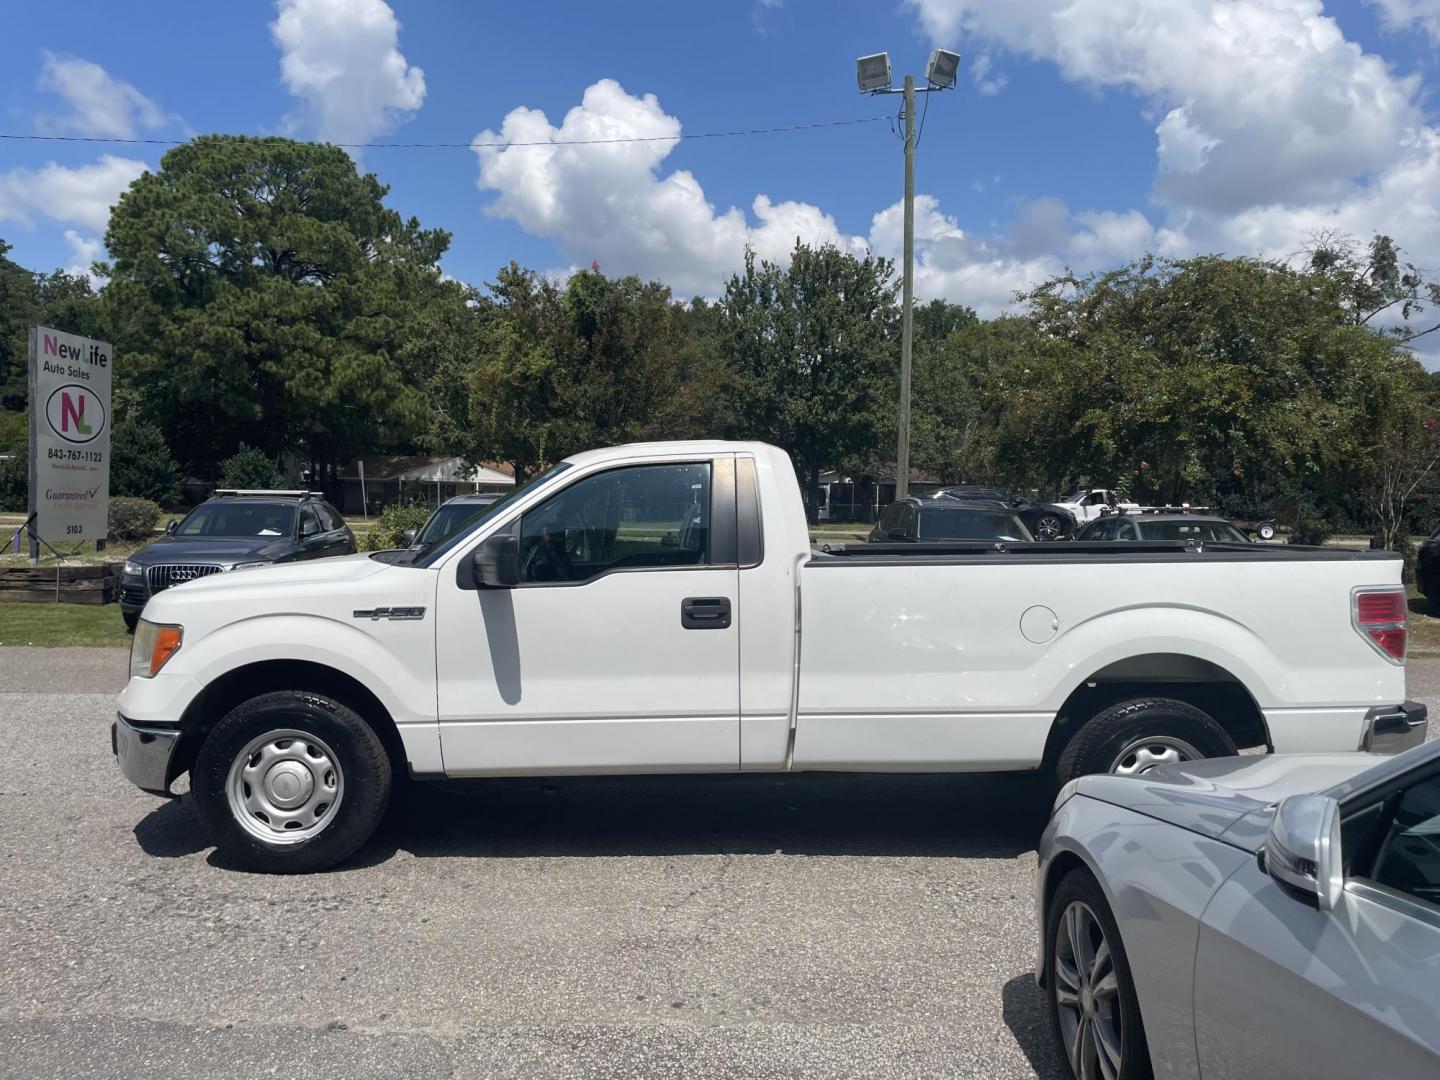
{"x": 659, "y": 608}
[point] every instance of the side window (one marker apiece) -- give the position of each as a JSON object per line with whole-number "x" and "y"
{"x": 1125, "y": 529}
{"x": 638, "y": 516}
{"x": 890, "y": 518}
{"x": 1401, "y": 849}
{"x": 329, "y": 519}
{"x": 309, "y": 521}
{"x": 1095, "y": 498}
{"x": 907, "y": 521}
{"x": 1103, "y": 530}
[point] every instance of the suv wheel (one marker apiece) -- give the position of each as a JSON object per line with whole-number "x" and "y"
{"x": 1134, "y": 736}
{"x": 291, "y": 782}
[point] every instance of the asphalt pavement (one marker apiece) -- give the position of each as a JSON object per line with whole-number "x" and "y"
{"x": 795, "y": 927}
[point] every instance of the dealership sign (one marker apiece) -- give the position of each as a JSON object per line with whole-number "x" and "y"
{"x": 69, "y": 435}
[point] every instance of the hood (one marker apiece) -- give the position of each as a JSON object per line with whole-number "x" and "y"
{"x": 221, "y": 549}
{"x": 288, "y": 575}
{"x": 1230, "y": 798}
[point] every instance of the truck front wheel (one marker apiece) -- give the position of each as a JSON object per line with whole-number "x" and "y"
{"x": 1132, "y": 737}
{"x": 291, "y": 782}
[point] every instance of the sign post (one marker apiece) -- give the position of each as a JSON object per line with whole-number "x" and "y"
{"x": 69, "y": 437}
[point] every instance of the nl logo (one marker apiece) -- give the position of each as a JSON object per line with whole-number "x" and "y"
{"x": 75, "y": 414}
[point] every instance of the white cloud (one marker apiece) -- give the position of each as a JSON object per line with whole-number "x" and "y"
{"x": 610, "y": 201}
{"x": 1398, "y": 15}
{"x": 101, "y": 105}
{"x": 988, "y": 85}
{"x": 81, "y": 195}
{"x": 84, "y": 250}
{"x": 341, "y": 58}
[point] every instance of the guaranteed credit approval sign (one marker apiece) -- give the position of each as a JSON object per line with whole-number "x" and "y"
{"x": 69, "y": 435}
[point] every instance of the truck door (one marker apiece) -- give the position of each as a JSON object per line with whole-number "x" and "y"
{"x": 619, "y": 648}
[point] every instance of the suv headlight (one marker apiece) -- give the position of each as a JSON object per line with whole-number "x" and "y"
{"x": 153, "y": 646}
{"x": 133, "y": 567}
{"x": 248, "y": 565}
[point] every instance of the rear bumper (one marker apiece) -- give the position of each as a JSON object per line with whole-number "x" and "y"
{"x": 1392, "y": 729}
{"x": 145, "y": 754}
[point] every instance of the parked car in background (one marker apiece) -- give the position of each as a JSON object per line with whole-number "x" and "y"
{"x": 1046, "y": 521}
{"x": 450, "y": 516}
{"x": 918, "y": 520}
{"x": 1087, "y": 504}
{"x": 234, "y": 530}
{"x": 1427, "y": 569}
{"x": 1200, "y": 527}
{"x": 1248, "y": 917}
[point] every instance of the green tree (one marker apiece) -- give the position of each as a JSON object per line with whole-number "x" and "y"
{"x": 811, "y": 347}
{"x": 250, "y": 468}
{"x": 141, "y": 465}
{"x": 263, "y": 292}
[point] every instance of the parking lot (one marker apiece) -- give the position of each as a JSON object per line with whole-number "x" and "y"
{"x": 802, "y": 926}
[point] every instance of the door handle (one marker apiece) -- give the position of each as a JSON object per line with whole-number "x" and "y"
{"x": 705, "y": 612}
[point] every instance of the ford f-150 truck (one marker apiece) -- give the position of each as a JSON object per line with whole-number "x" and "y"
{"x": 659, "y": 608}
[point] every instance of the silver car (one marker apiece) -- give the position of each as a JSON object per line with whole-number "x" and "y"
{"x": 1247, "y": 917}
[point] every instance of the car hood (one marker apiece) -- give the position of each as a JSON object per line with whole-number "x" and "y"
{"x": 1230, "y": 798}
{"x": 221, "y": 549}
{"x": 287, "y": 575}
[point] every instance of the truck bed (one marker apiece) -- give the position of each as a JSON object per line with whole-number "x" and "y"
{"x": 1109, "y": 551}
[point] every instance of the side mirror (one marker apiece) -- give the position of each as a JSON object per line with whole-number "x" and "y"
{"x": 897, "y": 535}
{"x": 171, "y": 526}
{"x": 408, "y": 537}
{"x": 1302, "y": 850}
{"x": 494, "y": 564}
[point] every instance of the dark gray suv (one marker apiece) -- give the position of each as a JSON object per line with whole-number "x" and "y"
{"x": 230, "y": 531}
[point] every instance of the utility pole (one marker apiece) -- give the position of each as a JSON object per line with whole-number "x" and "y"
{"x": 907, "y": 298}
{"x": 873, "y": 74}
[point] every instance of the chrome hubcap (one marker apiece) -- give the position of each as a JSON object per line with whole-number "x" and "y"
{"x": 1087, "y": 995}
{"x": 285, "y": 786}
{"x": 1048, "y": 528}
{"x": 1142, "y": 755}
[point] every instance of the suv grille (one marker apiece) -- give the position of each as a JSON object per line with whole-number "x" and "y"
{"x": 163, "y": 576}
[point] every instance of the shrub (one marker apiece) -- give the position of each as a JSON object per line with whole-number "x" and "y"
{"x": 393, "y": 521}
{"x": 133, "y": 519}
{"x": 141, "y": 464}
{"x": 15, "y": 480}
{"x": 250, "y": 468}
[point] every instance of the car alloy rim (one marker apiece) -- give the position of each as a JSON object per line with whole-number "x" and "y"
{"x": 1086, "y": 987}
{"x": 1048, "y": 527}
{"x": 1142, "y": 755}
{"x": 285, "y": 786}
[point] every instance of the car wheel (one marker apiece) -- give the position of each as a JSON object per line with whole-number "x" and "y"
{"x": 291, "y": 782}
{"x": 132, "y": 619}
{"x": 1133, "y": 737}
{"x": 1265, "y": 530}
{"x": 1049, "y": 527}
{"x": 1094, "y": 1011}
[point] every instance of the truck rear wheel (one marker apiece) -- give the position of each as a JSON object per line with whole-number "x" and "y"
{"x": 1134, "y": 736}
{"x": 291, "y": 782}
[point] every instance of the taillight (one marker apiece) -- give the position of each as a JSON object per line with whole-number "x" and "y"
{"x": 1383, "y": 617}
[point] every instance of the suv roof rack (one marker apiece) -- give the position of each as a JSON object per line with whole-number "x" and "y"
{"x": 273, "y": 493}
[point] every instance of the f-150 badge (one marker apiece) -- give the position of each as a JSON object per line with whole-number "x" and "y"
{"x": 376, "y": 614}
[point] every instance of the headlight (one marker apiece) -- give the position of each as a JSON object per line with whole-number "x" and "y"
{"x": 248, "y": 565}
{"x": 133, "y": 567}
{"x": 153, "y": 646}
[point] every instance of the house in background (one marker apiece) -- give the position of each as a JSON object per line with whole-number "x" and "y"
{"x": 844, "y": 498}
{"x": 372, "y": 483}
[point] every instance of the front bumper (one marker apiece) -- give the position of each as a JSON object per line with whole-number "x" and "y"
{"x": 1393, "y": 729}
{"x": 145, "y": 754}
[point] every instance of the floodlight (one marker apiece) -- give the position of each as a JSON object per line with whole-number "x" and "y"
{"x": 873, "y": 72}
{"x": 940, "y": 71}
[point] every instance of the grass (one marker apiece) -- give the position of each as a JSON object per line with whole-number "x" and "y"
{"x": 63, "y": 624}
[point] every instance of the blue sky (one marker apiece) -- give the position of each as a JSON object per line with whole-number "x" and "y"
{"x": 1083, "y": 132}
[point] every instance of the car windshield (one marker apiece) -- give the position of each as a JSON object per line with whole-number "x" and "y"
{"x": 1210, "y": 532}
{"x": 969, "y": 524}
{"x": 448, "y": 519}
{"x": 248, "y": 518}
{"x": 429, "y": 555}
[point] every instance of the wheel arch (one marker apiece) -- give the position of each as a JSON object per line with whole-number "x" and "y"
{"x": 266, "y": 676}
{"x": 1194, "y": 680}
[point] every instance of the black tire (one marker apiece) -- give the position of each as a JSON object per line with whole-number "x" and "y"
{"x": 1079, "y": 887}
{"x": 1050, "y": 527}
{"x": 1265, "y": 530}
{"x": 362, "y": 763}
{"x": 1098, "y": 745}
{"x": 132, "y": 619}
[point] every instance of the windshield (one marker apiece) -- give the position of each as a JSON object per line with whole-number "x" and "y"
{"x": 428, "y": 556}
{"x": 1210, "y": 532}
{"x": 449, "y": 518}
{"x": 969, "y": 524}
{"x": 249, "y": 518}
{"x": 1073, "y": 497}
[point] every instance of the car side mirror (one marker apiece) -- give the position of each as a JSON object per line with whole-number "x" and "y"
{"x": 1302, "y": 849}
{"x": 408, "y": 537}
{"x": 171, "y": 526}
{"x": 494, "y": 564}
{"x": 897, "y": 534}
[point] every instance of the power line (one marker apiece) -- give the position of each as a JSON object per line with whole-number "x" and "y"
{"x": 485, "y": 145}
